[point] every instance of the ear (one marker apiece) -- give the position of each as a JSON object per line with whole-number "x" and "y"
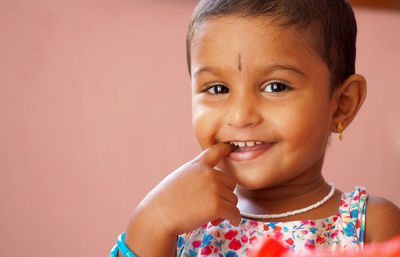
{"x": 347, "y": 100}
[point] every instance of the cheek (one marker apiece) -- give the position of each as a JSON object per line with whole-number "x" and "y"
{"x": 306, "y": 129}
{"x": 205, "y": 122}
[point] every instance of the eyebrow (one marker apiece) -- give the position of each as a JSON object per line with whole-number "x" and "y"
{"x": 275, "y": 67}
{"x": 267, "y": 69}
{"x": 202, "y": 70}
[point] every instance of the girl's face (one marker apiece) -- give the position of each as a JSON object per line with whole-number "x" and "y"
{"x": 257, "y": 82}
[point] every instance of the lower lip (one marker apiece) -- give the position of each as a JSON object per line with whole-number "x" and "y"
{"x": 250, "y": 154}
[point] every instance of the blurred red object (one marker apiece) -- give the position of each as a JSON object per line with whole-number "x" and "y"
{"x": 273, "y": 248}
{"x": 270, "y": 248}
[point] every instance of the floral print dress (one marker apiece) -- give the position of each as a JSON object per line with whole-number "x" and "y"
{"x": 344, "y": 230}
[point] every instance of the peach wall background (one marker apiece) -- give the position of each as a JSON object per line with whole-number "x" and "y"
{"x": 95, "y": 111}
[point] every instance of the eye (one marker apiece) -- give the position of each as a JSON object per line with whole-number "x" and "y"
{"x": 217, "y": 89}
{"x": 276, "y": 87}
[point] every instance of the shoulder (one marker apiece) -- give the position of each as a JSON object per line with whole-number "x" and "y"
{"x": 382, "y": 219}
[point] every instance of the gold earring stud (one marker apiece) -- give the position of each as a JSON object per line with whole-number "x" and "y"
{"x": 339, "y": 130}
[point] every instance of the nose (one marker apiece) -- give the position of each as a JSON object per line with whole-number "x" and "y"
{"x": 243, "y": 112}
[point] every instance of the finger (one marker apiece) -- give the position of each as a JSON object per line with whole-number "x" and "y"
{"x": 216, "y": 222}
{"x": 214, "y": 154}
{"x": 230, "y": 212}
{"x": 227, "y": 180}
{"x": 229, "y": 196}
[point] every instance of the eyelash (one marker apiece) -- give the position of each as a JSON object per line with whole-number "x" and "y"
{"x": 207, "y": 90}
{"x": 278, "y": 83}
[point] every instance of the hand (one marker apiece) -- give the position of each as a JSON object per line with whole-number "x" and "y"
{"x": 193, "y": 195}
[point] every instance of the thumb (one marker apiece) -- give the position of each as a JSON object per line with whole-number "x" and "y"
{"x": 214, "y": 154}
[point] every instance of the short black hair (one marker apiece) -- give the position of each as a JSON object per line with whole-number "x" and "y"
{"x": 330, "y": 23}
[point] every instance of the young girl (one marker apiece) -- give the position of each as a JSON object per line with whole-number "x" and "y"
{"x": 271, "y": 80}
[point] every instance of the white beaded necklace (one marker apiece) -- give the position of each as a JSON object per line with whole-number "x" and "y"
{"x": 291, "y": 213}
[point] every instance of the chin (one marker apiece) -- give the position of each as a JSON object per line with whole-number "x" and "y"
{"x": 254, "y": 183}
{"x": 253, "y": 178}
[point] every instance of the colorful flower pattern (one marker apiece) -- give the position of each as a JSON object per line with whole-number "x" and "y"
{"x": 344, "y": 230}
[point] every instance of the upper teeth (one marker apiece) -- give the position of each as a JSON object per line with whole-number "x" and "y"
{"x": 248, "y": 143}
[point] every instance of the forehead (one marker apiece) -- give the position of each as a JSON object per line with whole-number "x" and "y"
{"x": 258, "y": 41}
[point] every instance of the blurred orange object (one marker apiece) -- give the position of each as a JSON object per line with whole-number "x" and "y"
{"x": 273, "y": 248}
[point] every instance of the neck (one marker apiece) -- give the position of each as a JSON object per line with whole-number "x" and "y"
{"x": 287, "y": 191}
{"x": 302, "y": 191}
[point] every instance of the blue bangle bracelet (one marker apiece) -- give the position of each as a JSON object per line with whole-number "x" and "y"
{"x": 114, "y": 251}
{"x": 122, "y": 247}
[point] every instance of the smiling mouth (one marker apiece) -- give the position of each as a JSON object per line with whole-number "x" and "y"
{"x": 247, "y": 146}
{"x": 249, "y": 150}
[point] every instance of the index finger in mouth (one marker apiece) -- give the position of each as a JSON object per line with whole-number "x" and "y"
{"x": 214, "y": 154}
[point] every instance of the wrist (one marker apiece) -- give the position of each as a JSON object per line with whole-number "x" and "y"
{"x": 151, "y": 218}
{"x": 121, "y": 249}
{"x": 143, "y": 226}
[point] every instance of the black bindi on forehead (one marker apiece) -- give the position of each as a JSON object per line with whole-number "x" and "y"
{"x": 240, "y": 62}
